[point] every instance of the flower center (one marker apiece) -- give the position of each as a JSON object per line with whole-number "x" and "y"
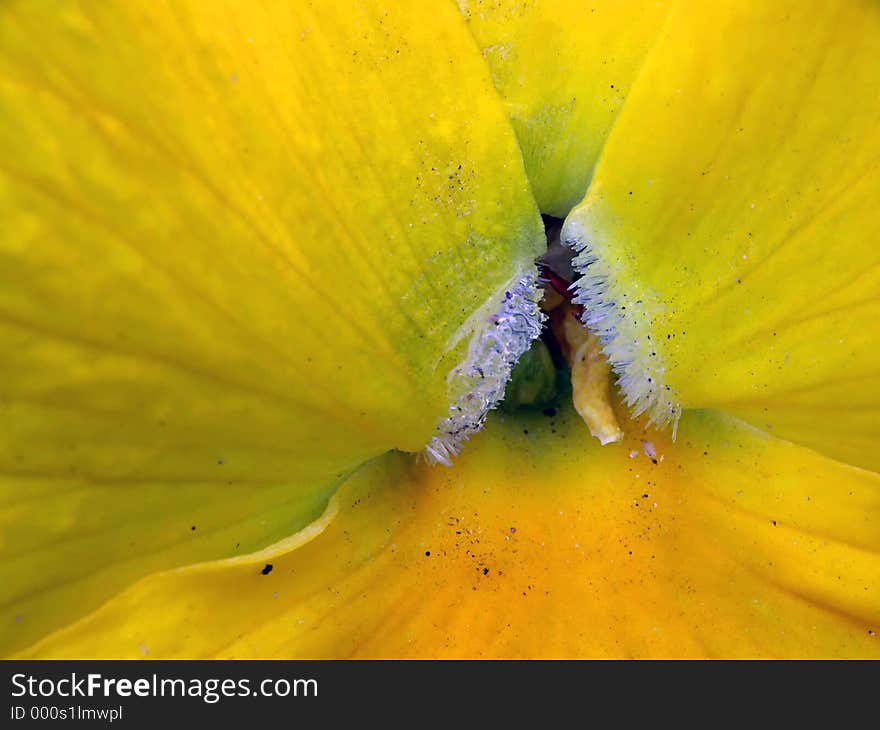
{"x": 521, "y": 358}
{"x": 567, "y": 351}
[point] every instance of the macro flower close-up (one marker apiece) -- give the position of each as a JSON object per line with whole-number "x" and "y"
{"x": 437, "y": 329}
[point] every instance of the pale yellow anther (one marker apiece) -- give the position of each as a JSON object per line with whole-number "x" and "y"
{"x": 590, "y": 373}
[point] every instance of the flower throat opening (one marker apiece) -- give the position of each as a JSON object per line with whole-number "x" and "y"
{"x": 566, "y": 361}
{"x": 528, "y": 350}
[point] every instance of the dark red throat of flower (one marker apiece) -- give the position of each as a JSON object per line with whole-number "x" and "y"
{"x": 560, "y": 285}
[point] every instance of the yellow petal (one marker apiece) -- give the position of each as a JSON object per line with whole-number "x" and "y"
{"x": 730, "y": 228}
{"x": 541, "y": 542}
{"x": 563, "y": 70}
{"x": 237, "y": 241}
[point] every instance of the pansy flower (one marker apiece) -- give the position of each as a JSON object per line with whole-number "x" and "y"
{"x": 267, "y": 268}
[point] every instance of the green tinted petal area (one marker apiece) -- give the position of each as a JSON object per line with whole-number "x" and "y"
{"x": 564, "y": 69}
{"x": 729, "y": 236}
{"x": 237, "y": 241}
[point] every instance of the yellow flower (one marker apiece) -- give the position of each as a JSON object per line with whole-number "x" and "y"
{"x": 253, "y": 258}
